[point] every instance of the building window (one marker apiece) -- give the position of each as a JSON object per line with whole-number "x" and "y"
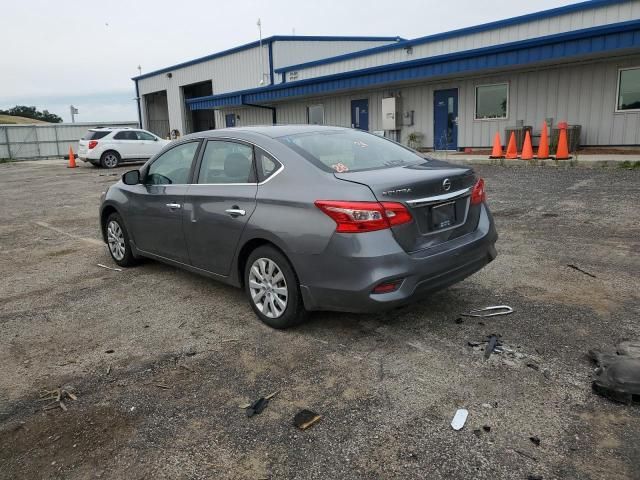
{"x": 492, "y": 101}
{"x": 628, "y": 89}
{"x": 315, "y": 114}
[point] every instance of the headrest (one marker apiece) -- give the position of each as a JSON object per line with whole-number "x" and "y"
{"x": 237, "y": 165}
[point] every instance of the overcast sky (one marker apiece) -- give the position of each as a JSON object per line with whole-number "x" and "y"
{"x": 57, "y": 53}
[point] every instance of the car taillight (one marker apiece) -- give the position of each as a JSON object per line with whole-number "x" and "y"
{"x": 478, "y": 195}
{"x": 92, "y": 144}
{"x": 357, "y": 217}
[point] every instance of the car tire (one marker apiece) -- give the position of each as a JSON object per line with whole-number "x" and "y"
{"x": 110, "y": 159}
{"x": 118, "y": 241}
{"x": 273, "y": 289}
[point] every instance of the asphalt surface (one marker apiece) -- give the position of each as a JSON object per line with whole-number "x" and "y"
{"x": 160, "y": 359}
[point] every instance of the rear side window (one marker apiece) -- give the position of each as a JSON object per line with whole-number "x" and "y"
{"x": 350, "y": 150}
{"x": 96, "y": 134}
{"x": 173, "y": 166}
{"x": 226, "y": 162}
{"x": 266, "y": 164}
{"x": 125, "y": 135}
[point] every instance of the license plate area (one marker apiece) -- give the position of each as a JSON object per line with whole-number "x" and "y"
{"x": 442, "y": 216}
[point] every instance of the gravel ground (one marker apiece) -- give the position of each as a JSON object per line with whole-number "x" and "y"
{"x": 160, "y": 359}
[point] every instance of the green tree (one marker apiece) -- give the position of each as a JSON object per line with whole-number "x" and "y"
{"x": 31, "y": 112}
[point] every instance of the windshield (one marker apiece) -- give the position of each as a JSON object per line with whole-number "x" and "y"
{"x": 350, "y": 150}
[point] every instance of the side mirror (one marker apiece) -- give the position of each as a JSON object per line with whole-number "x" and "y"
{"x": 155, "y": 139}
{"x": 132, "y": 177}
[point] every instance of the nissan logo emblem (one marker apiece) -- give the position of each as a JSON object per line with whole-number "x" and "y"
{"x": 446, "y": 184}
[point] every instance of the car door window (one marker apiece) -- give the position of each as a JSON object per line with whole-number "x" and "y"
{"x": 144, "y": 136}
{"x": 226, "y": 162}
{"x": 266, "y": 165}
{"x": 125, "y": 135}
{"x": 173, "y": 166}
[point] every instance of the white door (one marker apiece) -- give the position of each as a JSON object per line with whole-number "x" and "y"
{"x": 126, "y": 143}
{"x": 149, "y": 145}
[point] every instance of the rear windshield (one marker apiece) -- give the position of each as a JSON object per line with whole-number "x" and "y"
{"x": 96, "y": 134}
{"x": 350, "y": 150}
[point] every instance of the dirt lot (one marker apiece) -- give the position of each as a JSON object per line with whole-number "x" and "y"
{"x": 386, "y": 385}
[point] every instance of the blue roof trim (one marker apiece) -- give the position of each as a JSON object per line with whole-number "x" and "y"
{"x": 575, "y": 7}
{"x": 552, "y": 47}
{"x": 275, "y": 38}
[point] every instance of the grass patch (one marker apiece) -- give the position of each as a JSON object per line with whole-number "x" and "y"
{"x": 629, "y": 165}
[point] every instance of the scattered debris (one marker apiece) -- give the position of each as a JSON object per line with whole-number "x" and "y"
{"x": 109, "y": 268}
{"x": 57, "y": 398}
{"x": 486, "y": 405}
{"x": 618, "y": 374}
{"x": 491, "y": 311}
{"x": 305, "y": 418}
{"x": 535, "y": 440}
{"x": 534, "y": 366}
{"x": 230, "y": 340}
{"x": 459, "y": 419}
{"x": 474, "y": 344}
{"x": 108, "y": 369}
{"x": 525, "y": 454}
{"x": 182, "y": 324}
{"x": 477, "y": 432}
{"x": 570, "y": 265}
{"x": 109, "y": 351}
{"x": 162, "y": 385}
{"x": 533, "y": 476}
{"x": 459, "y": 320}
{"x": 491, "y": 345}
{"x": 256, "y": 407}
{"x": 486, "y": 428}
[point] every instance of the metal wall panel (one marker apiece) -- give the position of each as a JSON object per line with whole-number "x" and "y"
{"x": 613, "y": 13}
{"x": 292, "y": 52}
{"x": 581, "y": 93}
{"x": 237, "y": 71}
{"x": 45, "y": 141}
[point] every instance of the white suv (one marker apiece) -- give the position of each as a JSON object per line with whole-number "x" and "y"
{"x": 109, "y": 146}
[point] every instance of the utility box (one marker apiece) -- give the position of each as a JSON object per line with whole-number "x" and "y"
{"x": 391, "y": 119}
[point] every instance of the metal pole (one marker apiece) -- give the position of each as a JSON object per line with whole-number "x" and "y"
{"x": 261, "y": 53}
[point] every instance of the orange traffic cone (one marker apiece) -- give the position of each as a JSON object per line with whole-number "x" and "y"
{"x": 527, "y": 148}
{"x": 72, "y": 159}
{"x": 497, "y": 147}
{"x": 562, "y": 151}
{"x": 512, "y": 151}
{"x": 543, "y": 147}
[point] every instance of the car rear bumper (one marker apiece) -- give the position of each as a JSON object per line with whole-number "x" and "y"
{"x": 344, "y": 283}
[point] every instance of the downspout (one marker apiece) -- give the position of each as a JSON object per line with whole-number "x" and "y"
{"x": 271, "y": 62}
{"x": 274, "y": 117}
{"x": 138, "y": 101}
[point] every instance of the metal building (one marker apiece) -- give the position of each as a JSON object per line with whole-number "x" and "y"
{"x": 579, "y": 63}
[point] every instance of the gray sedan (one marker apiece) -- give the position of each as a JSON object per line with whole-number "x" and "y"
{"x": 303, "y": 218}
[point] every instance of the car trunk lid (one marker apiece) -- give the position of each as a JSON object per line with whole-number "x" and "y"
{"x": 436, "y": 193}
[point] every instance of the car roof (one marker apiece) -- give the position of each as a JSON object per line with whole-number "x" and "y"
{"x": 272, "y": 131}
{"x": 98, "y": 129}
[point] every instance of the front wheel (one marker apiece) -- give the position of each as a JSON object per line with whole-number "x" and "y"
{"x": 118, "y": 241}
{"x": 273, "y": 289}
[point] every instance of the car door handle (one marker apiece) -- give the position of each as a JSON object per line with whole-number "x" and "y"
{"x": 234, "y": 212}
{"x": 174, "y": 206}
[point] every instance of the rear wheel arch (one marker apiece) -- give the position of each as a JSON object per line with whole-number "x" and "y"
{"x": 250, "y": 246}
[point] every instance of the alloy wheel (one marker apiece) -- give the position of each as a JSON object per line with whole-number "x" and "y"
{"x": 110, "y": 160}
{"x": 115, "y": 239}
{"x": 268, "y": 287}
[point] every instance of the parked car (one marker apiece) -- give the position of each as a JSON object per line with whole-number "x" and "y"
{"x": 303, "y": 218}
{"x": 109, "y": 146}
